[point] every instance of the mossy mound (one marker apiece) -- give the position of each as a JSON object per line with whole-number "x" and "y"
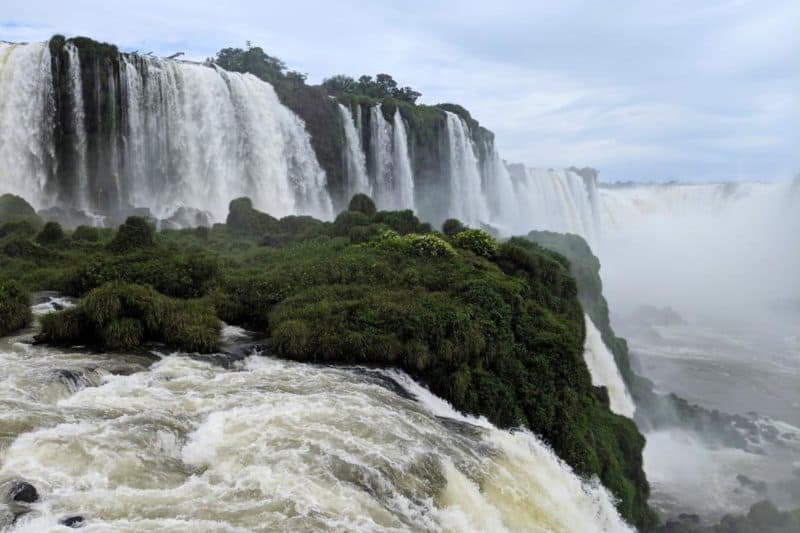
{"x": 136, "y": 233}
{"x": 15, "y": 310}
{"x": 14, "y": 209}
{"x": 122, "y": 316}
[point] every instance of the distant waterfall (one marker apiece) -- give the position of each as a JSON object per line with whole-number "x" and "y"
{"x": 27, "y": 152}
{"x": 555, "y": 200}
{"x": 604, "y": 371}
{"x": 165, "y": 134}
{"x": 393, "y": 180}
{"x": 355, "y": 161}
{"x": 468, "y": 203}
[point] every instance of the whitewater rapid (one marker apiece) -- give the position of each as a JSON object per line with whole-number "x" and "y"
{"x": 178, "y": 443}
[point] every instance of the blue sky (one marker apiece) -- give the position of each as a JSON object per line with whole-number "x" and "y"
{"x": 675, "y": 89}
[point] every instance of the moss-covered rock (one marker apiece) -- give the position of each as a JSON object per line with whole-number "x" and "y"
{"x": 15, "y": 310}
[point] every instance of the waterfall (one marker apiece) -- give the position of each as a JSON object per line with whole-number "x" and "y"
{"x": 403, "y": 175}
{"x": 169, "y": 134}
{"x": 81, "y": 193}
{"x": 355, "y": 161}
{"x": 393, "y": 180}
{"x": 381, "y": 156}
{"x": 199, "y": 137}
{"x": 503, "y": 204}
{"x": 555, "y": 200}
{"x": 26, "y": 121}
{"x": 604, "y": 371}
{"x": 467, "y": 202}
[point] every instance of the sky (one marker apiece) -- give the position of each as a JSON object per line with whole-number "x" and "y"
{"x": 691, "y": 90}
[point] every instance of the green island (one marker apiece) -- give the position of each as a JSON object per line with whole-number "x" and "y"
{"x": 497, "y": 329}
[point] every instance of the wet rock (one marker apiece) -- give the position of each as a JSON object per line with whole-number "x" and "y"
{"x": 72, "y": 521}
{"x": 689, "y": 518}
{"x": 22, "y": 491}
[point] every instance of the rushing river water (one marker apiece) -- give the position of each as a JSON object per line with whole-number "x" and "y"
{"x": 253, "y": 443}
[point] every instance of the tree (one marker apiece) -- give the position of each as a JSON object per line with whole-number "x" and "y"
{"x": 254, "y": 61}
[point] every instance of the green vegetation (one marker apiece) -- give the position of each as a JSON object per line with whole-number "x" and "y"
{"x": 50, "y": 234}
{"x": 380, "y": 87}
{"x": 15, "y": 310}
{"x": 122, "y": 316}
{"x": 477, "y": 241}
{"x": 17, "y": 212}
{"x": 495, "y": 329}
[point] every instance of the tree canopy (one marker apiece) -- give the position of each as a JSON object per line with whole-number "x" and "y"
{"x": 379, "y": 87}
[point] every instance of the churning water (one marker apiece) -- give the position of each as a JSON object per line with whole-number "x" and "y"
{"x": 179, "y": 443}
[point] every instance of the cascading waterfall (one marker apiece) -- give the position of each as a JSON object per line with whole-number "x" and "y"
{"x": 355, "y": 161}
{"x": 403, "y": 175}
{"x": 187, "y": 444}
{"x": 393, "y": 180}
{"x": 26, "y": 121}
{"x": 382, "y": 156}
{"x": 199, "y": 137}
{"x": 503, "y": 205}
{"x": 169, "y": 134}
{"x": 468, "y": 202}
{"x": 81, "y": 193}
{"x": 604, "y": 371}
{"x": 555, "y": 200}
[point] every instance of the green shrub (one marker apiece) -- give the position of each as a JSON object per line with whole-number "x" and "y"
{"x": 86, "y": 233}
{"x": 15, "y": 311}
{"x": 452, "y": 226}
{"x": 244, "y": 220}
{"x": 134, "y": 234}
{"x": 429, "y": 245}
{"x": 347, "y": 220}
{"x": 362, "y": 204}
{"x": 403, "y": 222}
{"x": 51, "y": 234}
{"x": 21, "y": 227}
{"x": 122, "y": 316}
{"x": 477, "y": 241}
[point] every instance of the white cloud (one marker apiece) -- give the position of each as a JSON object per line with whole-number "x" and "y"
{"x": 678, "y": 89}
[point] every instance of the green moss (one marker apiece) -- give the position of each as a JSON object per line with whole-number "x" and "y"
{"x": 15, "y": 311}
